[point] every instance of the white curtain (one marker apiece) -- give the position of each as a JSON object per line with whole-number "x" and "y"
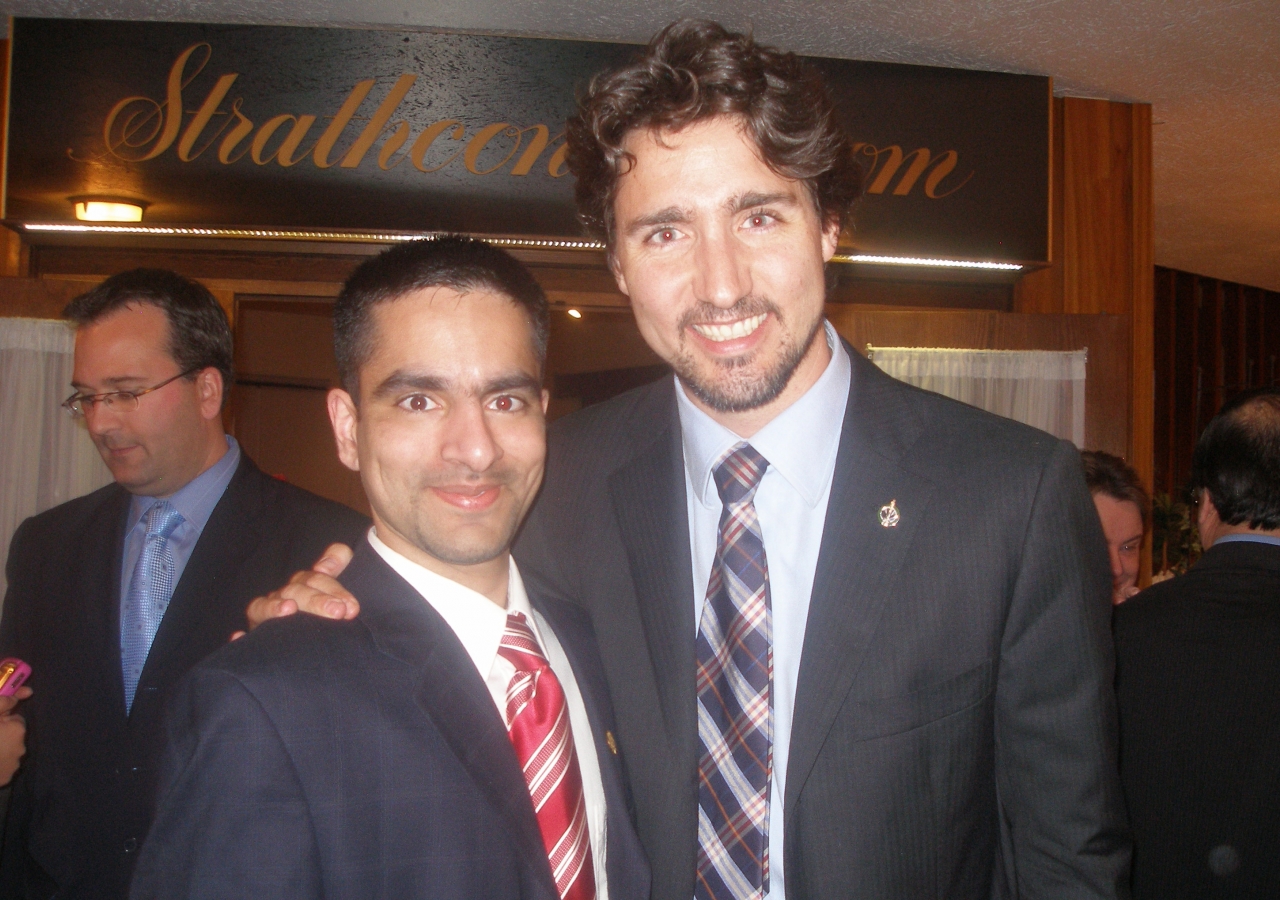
{"x": 1042, "y": 388}
{"x": 46, "y": 457}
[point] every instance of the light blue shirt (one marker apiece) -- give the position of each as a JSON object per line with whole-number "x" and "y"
{"x": 791, "y": 502}
{"x": 194, "y": 502}
{"x": 1251, "y": 538}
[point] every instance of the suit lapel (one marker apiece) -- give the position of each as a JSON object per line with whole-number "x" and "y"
{"x": 860, "y": 559}
{"x": 99, "y": 577}
{"x": 228, "y": 539}
{"x": 648, "y": 496}
{"x": 452, "y": 696}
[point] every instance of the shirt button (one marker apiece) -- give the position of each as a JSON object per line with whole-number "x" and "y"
{"x": 130, "y": 845}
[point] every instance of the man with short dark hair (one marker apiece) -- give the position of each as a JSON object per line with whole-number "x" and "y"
{"x": 856, "y": 634}
{"x": 456, "y": 740}
{"x": 113, "y": 596}
{"x": 1198, "y": 680}
{"x": 1123, "y": 507}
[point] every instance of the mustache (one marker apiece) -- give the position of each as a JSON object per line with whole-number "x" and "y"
{"x": 709, "y": 314}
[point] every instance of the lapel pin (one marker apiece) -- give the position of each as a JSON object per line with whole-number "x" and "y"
{"x": 889, "y": 517}
{"x": 613, "y": 745}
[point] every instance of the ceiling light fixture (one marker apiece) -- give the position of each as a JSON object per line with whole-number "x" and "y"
{"x": 573, "y": 313}
{"x": 108, "y": 209}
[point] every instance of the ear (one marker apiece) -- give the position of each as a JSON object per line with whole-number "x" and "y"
{"x": 209, "y": 391}
{"x": 344, "y": 416}
{"x": 830, "y": 239}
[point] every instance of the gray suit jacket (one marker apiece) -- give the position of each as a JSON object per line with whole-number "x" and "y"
{"x": 954, "y": 723}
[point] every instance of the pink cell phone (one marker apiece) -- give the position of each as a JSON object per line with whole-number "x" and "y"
{"x": 13, "y": 672}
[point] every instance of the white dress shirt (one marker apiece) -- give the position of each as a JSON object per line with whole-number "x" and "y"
{"x": 479, "y": 624}
{"x": 791, "y": 502}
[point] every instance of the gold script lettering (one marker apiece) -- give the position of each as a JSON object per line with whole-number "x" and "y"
{"x": 284, "y": 154}
{"x": 941, "y": 171}
{"x": 420, "y": 147}
{"x": 243, "y": 128}
{"x": 331, "y": 134}
{"x": 536, "y": 146}
{"x": 394, "y": 143}
{"x": 482, "y": 139}
{"x": 159, "y": 122}
{"x": 373, "y": 130}
{"x": 921, "y": 161}
{"x": 202, "y": 117}
{"x": 556, "y": 165}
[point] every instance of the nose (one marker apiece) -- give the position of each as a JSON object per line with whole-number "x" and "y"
{"x": 1117, "y": 564}
{"x": 100, "y": 418}
{"x": 469, "y": 439}
{"x": 722, "y": 269}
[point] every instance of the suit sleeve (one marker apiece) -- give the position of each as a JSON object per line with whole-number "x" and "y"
{"x": 1056, "y": 753}
{"x": 15, "y": 613}
{"x": 232, "y": 821}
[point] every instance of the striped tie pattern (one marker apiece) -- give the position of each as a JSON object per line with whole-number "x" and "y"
{"x": 150, "y": 589}
{"x": 735, "y": 710}
{"x": 538, "y": 723}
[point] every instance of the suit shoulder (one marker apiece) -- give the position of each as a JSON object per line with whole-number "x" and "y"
{"x": 75, "y": 516}
{"x": 607, "y": 432}
{"x": 291, "y": 645}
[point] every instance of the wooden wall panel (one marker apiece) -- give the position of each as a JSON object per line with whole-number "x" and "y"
{"x": 1213, "y": 340}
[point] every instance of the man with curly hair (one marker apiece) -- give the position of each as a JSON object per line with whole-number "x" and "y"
{"x": 857, "y": 635}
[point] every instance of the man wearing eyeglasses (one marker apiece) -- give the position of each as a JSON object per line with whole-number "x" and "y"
{"x": 114, "y": 596}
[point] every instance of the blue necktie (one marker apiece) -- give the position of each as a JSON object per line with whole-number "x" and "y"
{"x": 148, "y": 597}
{"x": 735, "y": 707}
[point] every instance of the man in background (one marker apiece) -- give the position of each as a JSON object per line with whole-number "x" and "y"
{"x": 1123, "y": 509}
{"x": 1198, "y": 680}
{"x": 114, "y": 596}
{"x": 455, "y": 741}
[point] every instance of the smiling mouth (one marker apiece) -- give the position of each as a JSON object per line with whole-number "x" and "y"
{"x": 729, "y": 331}
{"x": 468, "y": 497}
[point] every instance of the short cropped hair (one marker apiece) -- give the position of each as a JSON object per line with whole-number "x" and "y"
{"x": 1111, "y": 475}
{"x": 453, "y": 261}
{"x": 199, "y": 333}
{"x": 695, "y": 70}
{"x": 1237, "y": 460}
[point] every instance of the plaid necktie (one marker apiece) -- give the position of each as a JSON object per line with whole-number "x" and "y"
{"x": 149, "y": 591}
{"x": 735, "y": 708}
{"x": 538, "y": 723}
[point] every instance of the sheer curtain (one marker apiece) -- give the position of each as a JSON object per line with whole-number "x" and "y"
{"x": 46, "y": 457}
{"x": 1043, "y": 388}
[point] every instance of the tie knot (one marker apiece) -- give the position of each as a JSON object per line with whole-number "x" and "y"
{"x": 162, "y": 519}
{"x": 520, "y": 646}
{"x": 739, "y": 474}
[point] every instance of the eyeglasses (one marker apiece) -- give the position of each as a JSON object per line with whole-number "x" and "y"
{"x": 120, "y": 401}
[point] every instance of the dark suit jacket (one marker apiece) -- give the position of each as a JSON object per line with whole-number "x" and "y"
{"x": 1198, "y": 682}
{"x": 82, "y": 802}
{"x": 363, "y": 759}
{"x": 954, "y": 730}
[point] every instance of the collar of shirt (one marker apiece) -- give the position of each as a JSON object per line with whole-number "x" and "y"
{"x": 800, "y": 443}
{"x": 195, "y": 500}
{"x": 1251, "y": 538}
{"x": 475, "y": 619}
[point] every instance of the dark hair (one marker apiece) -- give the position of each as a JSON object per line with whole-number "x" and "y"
{"x": 199, "y": 334}
{"x": 1237, "y": 460}
{"x": 450, "y": 260}
{"x": 1111, "y": 475}
{"x": 694, "y": 70}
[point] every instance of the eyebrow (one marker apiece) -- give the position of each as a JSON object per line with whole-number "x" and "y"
{"x": 672, "y": 215}
{"x": 113, "y": 383}
{"x": 402, "y": 380}
{"x": 759, "y": 198}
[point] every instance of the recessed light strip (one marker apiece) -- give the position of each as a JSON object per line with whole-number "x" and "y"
{"x": 919, "y": 261}
{"x": 375, "y": 237}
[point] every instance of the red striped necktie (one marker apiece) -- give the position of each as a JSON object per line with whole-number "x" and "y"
{"x": 538, "y": 724}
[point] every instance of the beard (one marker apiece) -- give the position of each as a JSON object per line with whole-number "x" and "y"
{"x": 746, "y": 382}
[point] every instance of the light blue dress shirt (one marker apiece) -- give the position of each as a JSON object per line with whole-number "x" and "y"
{"x": 1250, "y": 538}
{"x": 791, "y": 502}
{"x": 194, "y": 501}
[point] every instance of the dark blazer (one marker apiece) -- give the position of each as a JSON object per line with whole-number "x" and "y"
{"x": 954, "y": 726}
{"x": 363, "y": 759}
{"x": 82, "y": 801}
{"x": 1198, "y": 682}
